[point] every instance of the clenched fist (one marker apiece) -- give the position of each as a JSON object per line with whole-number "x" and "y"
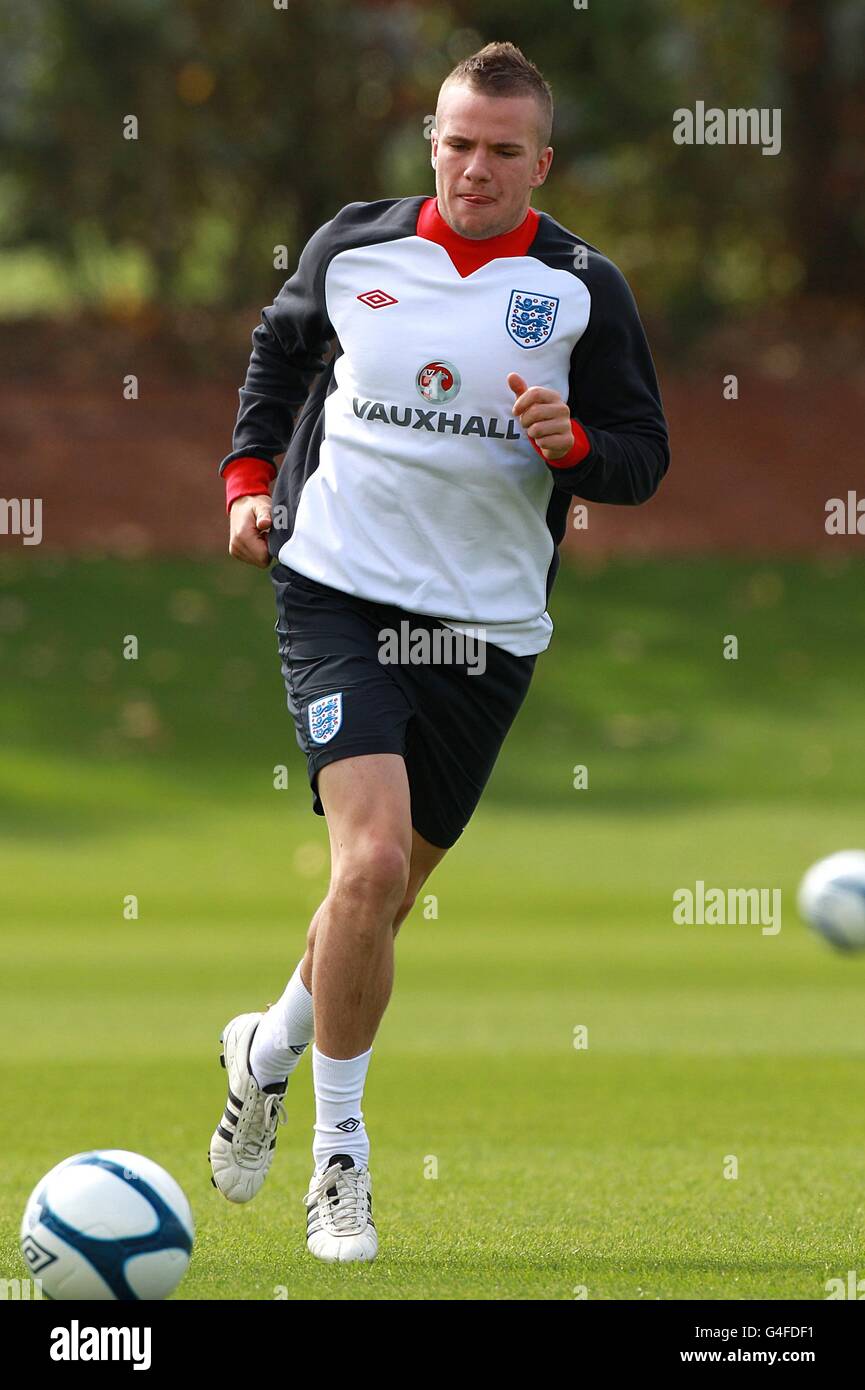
{"x": 249, "y": 522}
{"x": 544, "y": 416}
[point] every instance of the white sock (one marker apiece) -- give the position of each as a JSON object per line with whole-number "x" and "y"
{"x": 283, "y": 1035}
{"x": 339, "y": 1127}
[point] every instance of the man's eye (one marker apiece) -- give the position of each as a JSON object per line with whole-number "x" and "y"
{"x": 461, "y": 145}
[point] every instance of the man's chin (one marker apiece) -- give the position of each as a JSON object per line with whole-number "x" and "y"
{"x": 476, "y": 222}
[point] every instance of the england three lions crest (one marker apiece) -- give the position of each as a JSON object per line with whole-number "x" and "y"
{"x": 531, "y": 317}
{"x": 325, "y": 717}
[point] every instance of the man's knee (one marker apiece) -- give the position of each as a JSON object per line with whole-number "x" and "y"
{"x": 374, "y": 872}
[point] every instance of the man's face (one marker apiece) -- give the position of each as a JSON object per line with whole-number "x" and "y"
{"x": 487, "y": 160}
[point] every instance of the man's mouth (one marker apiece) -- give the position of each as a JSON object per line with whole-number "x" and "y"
{"x": 476, "y": 200}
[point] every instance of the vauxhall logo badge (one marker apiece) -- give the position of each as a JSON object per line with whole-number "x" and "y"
{"x": 438, "y": 381}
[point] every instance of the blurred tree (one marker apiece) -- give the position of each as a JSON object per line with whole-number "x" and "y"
{"x": 256, "y": 123}
{"x": 824, "y": 59}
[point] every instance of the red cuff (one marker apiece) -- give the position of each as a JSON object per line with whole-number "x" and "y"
{"x": 578, "y": 451}
{"x": 247, "y": 477}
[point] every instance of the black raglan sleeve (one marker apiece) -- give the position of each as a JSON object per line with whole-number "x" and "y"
{"x": 288, "y": 351}
{"x": 613, "y": 393}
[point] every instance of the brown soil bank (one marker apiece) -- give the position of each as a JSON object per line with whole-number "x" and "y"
{"x": 752, "y": 475}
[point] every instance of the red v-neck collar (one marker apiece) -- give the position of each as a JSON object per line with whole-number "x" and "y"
{"x": 467, "y": 253}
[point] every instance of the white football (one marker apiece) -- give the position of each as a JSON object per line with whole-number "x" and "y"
{"x": 832, "y": 899}
{"x": 107, "y": 1225}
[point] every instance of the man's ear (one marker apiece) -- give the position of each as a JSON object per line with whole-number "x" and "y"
{"x": 542, "y": 169}
{"x": 434, "y": 141}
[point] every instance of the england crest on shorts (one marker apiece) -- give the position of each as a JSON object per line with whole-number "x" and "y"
{"x": 325, "y": 717}
{"x": 531, "y": 317}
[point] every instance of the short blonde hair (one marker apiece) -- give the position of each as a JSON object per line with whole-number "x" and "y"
{"x": 503, "y": 70}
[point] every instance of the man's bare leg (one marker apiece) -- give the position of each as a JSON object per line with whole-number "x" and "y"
{"x": 424, "y": 858}
{"x": 377, "y": 865}
{"x": 368, "y": 808}
{"x": 368, "y": 870}
{"x": 288, "y": 1025}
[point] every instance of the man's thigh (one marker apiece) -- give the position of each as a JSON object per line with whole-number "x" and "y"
{"x": 367, "y": 804}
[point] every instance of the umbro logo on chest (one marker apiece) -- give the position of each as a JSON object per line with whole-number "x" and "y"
{"x": 377, "y": 299}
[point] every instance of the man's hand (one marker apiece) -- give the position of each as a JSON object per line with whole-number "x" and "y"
{"x": 544, "y": 416}
{"x": 249, "y": 522}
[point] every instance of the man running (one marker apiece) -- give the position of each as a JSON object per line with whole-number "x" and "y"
{"x": 443, "y": 375}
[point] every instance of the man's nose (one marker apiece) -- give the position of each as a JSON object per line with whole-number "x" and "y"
{"x": 478, "y": 170}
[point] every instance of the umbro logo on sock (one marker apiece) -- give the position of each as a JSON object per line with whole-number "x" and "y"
{"x": 298, "y": 1051}
{"x": 350, "y": 1125}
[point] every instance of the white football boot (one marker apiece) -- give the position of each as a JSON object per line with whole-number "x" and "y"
{"x": 339, "y": 1224}
{"x": 241, "y": 1150}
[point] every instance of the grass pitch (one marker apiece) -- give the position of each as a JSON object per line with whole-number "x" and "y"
{"x": 507, "y": 1162}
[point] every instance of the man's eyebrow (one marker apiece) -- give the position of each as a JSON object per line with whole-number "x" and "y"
{"x": 497, "y": 144}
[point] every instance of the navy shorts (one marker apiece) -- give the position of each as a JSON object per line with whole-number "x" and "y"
{"x": 447, "y": 721}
